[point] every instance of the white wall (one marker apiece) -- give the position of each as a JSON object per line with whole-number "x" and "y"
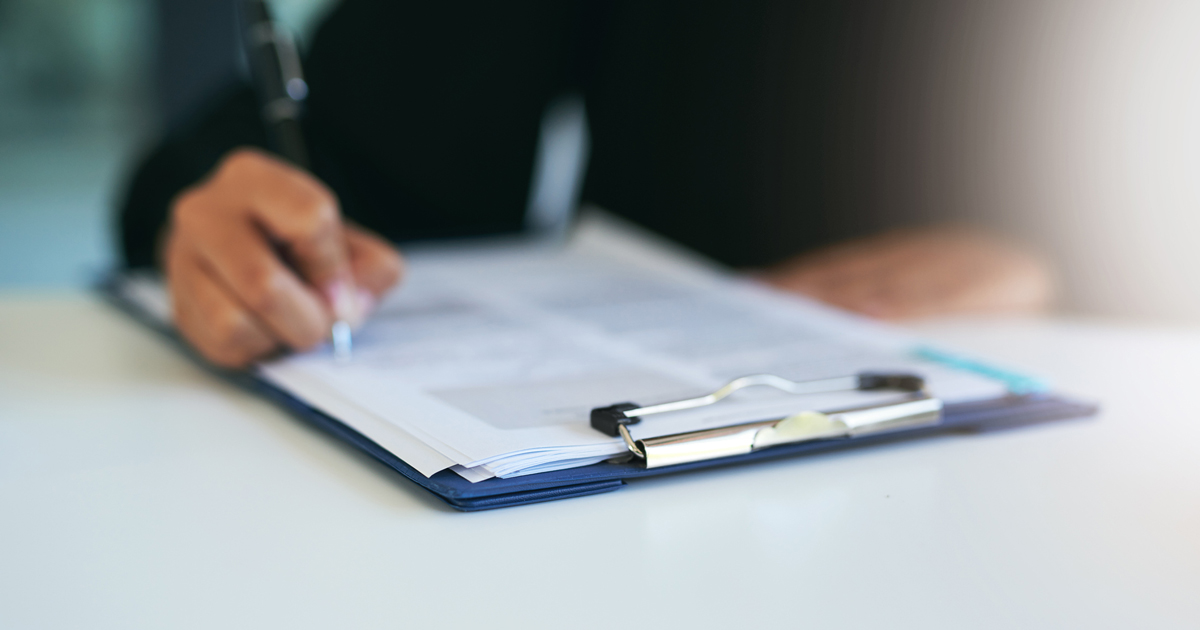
{"x": 1074, "y": 123}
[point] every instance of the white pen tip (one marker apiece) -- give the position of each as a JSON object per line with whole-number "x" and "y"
{"x": 343, "y": 341}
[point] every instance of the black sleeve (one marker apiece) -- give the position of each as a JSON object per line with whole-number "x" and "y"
{"x": 182, "y": 159}
{"x": 421, "y": 117}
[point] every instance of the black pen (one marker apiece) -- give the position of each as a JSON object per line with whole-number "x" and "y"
{"x": 279, "y": 82}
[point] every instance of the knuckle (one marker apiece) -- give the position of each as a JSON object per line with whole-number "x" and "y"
{"x": 317, "y": 212}
{"x": 228, "y": 327}
{"x": 198, "y": 213}
{"x": 263, "y": 288}
{"x": 233, "y": 340}
{"x": 187, "y": 208}
{"x": 241, "y": 159}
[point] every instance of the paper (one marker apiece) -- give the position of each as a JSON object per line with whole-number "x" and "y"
{"x": 488, "y": 360}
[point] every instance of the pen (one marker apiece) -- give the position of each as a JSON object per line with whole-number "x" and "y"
{"x": 279, "y": 82}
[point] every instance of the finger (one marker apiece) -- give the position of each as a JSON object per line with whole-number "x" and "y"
{"x": 914, "y": 287}
{"x": 909, "y": 275}
{"x": 244, "y": 262}
{"x": 1008, "y": 282}
{"x": 860, "y": 275}
{"x": 863, "y": 295}
{"x": 828, "y": 272}
{"x": 212, "y": 320}
{"x": 297, "y": 211}
{"x": 963, "y": 276}
{"x": 847, "y": 286}
{"x": 376, "y": 264}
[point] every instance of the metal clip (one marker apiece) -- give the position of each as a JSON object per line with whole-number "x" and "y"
{"x": 917, "y": 409}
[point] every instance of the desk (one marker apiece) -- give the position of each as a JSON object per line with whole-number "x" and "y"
{"x": 136, "y": 491}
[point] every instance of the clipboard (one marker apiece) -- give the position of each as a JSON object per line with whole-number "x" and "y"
{"x": 927, "y": 418}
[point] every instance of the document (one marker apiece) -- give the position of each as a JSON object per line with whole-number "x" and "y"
{"x": 489, "y": 358}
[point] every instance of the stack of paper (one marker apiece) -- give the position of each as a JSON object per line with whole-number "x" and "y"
{"x": 489, "y": 359}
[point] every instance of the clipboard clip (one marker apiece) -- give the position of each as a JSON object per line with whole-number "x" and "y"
{"x": 918, "y": 408}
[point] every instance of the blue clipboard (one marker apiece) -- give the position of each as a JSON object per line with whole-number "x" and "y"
{"x": 1003, "y": 413}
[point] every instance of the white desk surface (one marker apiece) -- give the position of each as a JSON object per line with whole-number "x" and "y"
{"x": 136, "y": 491}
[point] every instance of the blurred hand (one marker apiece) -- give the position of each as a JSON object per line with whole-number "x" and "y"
{"x": 919, "y": 273}
{"x": 258, "y": 257}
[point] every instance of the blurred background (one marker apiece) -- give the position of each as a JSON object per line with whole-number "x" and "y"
{"x": 85, "y": 87}
{"x": 1072, "y": 124}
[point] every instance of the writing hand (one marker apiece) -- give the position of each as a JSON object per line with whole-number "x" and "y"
{"x": 920, "y": 273}
{"x": 258, "y": 257}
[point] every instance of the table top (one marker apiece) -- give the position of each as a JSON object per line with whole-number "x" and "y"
{"x": 138, "y": 491}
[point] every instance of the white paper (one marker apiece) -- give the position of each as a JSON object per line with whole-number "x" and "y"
{"x": 494, "y": 357}
{"x": 489, "y": 358}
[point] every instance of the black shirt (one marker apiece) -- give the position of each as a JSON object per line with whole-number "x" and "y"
{"x": 712, "y": 123}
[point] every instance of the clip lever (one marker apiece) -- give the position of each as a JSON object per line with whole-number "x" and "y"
{"x": 613, "y": 421}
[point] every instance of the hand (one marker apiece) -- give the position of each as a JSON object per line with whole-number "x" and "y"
{"x": 257, "y": 257}
{"x": 919, "y": 273}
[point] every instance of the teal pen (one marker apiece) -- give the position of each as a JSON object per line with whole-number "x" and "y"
{"x": 1016, "y": 382}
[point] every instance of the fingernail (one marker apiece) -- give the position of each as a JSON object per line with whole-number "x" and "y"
{"x": 366, "y": 306}
{"x": 341, "y": 300}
